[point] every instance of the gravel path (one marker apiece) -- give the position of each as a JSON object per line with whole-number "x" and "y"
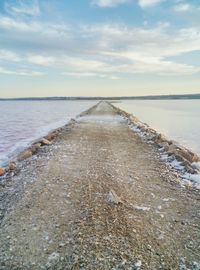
{"x": 98, "y": 198}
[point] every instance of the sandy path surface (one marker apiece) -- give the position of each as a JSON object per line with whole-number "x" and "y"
{"x": 61, "y": 212}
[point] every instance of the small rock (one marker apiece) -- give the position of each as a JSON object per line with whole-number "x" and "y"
{"x": 196, "y": 165}
{"x": 35, "y": 147}
{"x": 2, "y": 171}
{"x": 149, "y": 247}
{"x": 164, "y": 145}
{"x": 61, "y": 244}
{"x": 53, "y": 257}
{"x": 24, "y": 155}
{"x": 12, "y": 166}
{"x": 45, "y": 142}
{"x": 195, "y": 158}
{"x": 46, "y": 238}
{"x": 142, "y": 208}
{"x": 185, "y": 154}
{"x": 51, "y": 136}
{"x": 172, "y": 148}
{"x": 138, "y": 264}
{"x": 160, "y": 138}
{"x": 112, "y": 197}
{"x": 196, "y": 266}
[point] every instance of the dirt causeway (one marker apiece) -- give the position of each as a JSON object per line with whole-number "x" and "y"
{"x": 98, "y": 198}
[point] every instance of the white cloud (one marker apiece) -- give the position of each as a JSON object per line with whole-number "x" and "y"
{"x": 15, "y": 25}
{"x": 149, "y": 3}
{"x": 6, "y": 71}
{"x": 102, "y": 50}
{"x": 28, "y": 7}
{"x": 81, "y": 64}
{"x": 75, "y": 66}
{"x": 152, "y": 65}
{"x": 114, "y": 3}
{"x": 9, "y": 56}
{"x": 41, "y": 60}
{"x": 183, "y": 7}
{"x": 90, "y": 74}
{"x": 109, "y": 3}
{"x": 142, "y": 50}
{"x": 32, "y": 26}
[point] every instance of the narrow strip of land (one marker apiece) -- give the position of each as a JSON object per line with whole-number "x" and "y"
{"x": 98, "y": 198}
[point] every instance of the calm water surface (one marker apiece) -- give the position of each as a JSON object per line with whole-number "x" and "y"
{"x": 22, "y": 122}
{"x": 177, "y": 119}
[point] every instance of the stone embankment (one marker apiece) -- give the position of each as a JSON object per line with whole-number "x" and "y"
{"x": 32, "y": 150}
{"x": 187, "y": 158}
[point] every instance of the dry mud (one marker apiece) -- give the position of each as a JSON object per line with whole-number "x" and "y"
{"x": 98, "y": 198}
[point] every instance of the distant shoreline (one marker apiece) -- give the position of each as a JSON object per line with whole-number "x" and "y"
{"x": 153, "y": 97}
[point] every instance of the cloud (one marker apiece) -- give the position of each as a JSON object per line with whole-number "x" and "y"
{"x": 6, "y": 71}
{"x": 158, "y": 66}
{"x": 90, "y": 74}
{"x": 183, "y": 7}
{"x": 149, "y": 3}
{"x": 16, "y": 25}
{"x": 101, "y": 50}
{"x": 33, "y": 30}
{"x": 81, "y": 64}
{"x": 150, "y": 42}
{"x": 9, "y": 56}
{"x": 115, "y": 3}
{"x": 145, "y": 50}
{"x": 109, "y": 3}
{"x": 28, "y": 7}
{"x": 41, "y": 60}
{"x": 75, "y": 66}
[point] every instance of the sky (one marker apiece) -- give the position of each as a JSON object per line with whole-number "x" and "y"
{"x": 99, "y": 47}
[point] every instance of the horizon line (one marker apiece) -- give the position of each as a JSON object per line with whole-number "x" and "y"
{"x": 102, "y": 97}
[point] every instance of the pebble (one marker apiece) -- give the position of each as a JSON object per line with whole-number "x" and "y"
{"x": 54, "y": 256}
{"x": 45, "y": 142}
{"x": 24, "y": 155}
{"x": 62, "y": 244}
{"x": 12, "y": 166}
{"x": 47, "y": 238}
{"x": 138, "y": 264}
{"x": 2, "y": 171}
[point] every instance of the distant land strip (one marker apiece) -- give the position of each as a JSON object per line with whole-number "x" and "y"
{"x": 156, "y": 97}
